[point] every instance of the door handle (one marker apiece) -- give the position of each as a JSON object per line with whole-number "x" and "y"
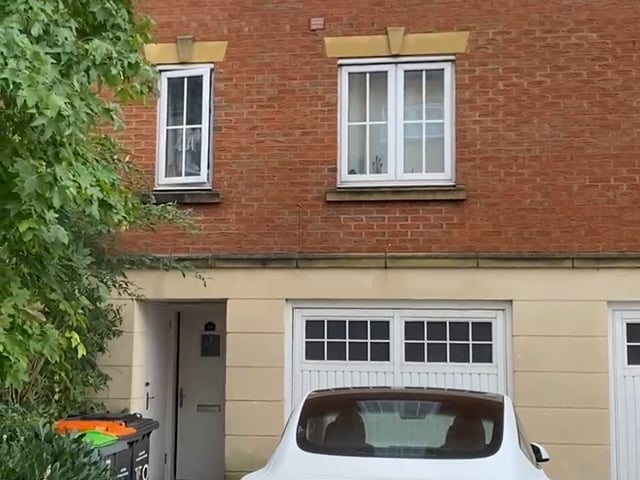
{"x": 148, "y": 397}
{"x": 181, "y": 397}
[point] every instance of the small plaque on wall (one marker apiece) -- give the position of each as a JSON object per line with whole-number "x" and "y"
{"x": 209, "y": 345}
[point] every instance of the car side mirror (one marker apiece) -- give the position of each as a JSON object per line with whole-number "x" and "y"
{"x": 540, "y": 453}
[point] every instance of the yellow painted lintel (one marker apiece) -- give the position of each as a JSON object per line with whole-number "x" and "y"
{"x": 201, "y": 52}
{"x": 441, "y": 43}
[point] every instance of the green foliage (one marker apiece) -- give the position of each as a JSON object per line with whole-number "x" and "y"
{"x": 30, "y": 449}
{"x": 67, "y": 192}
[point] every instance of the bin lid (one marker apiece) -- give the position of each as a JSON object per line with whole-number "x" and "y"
{"x": 111, "y": 427}
{"x": 99, "y": 439}
{"x": 140, "y": 424}
{"x": 125, "y": 417}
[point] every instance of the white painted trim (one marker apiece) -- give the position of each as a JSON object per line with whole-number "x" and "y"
{"x": 404, "y": 59}
{"x": 395, "y": 175}
{"x": 393, "y": 304}
{"x": 288, "y": 358}
{"x": 507, "y": 310}
{"x": 612, "y": 390}
{"x": 161, "y": 130}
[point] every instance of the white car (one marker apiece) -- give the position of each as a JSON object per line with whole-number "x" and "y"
{"x": 383, "y": 433}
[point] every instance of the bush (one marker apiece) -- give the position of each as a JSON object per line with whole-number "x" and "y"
{"x": 31, "y": 450}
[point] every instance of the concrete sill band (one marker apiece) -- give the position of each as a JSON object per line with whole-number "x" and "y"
{"x": 427, "y": 260}
{"x": 186, "y": 197}
{"x": 391, "y": 194}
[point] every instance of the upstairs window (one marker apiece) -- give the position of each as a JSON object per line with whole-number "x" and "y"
{"x": 184, "y": 131}
{"x": 396, "y": 124}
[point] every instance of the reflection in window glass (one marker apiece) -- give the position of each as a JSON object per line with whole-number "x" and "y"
{"x": 401, "y": 425}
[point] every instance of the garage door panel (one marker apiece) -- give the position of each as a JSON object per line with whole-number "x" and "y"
{"x": 473, "y": 381}
{"x": 321, "y": 379}
{"x": 458, "y": 348}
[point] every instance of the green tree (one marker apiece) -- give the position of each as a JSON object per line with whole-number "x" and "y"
{"x": 67, "y": 190}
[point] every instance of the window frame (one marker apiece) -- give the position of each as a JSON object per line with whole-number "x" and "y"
{"x": 448, "y": 342}
{"x": 206, "y": 163}
{"x": 347, "y": 340}
{"x": 395, "y": 104}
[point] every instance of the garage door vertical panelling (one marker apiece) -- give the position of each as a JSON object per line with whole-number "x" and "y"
{"x": 626, "y": 363}
{"x": 342, "y": 347}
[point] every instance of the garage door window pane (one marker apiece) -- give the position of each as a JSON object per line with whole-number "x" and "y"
{"x": 459, "y": 331}
{"x": 633, "y": 332}
{"x": 414, "y": 352}
{"x": 314, "y": 351}
{"x": 481, "y": 331}
{"x": 436, "y": 330}
{"x": 459, "y": 352}
{"x": 633, "y": 354}
{"x": 358, "y": 351}
{"x": 414, "y": 330}
{"x": 315, "y": 329}
{"x": 337, "y": 329}
{"x": 357, "y": 330}
{"x": 336, "y": 351}
{"x": 436, "y": 352}
{"x": 380, "y": 352}
{"x": 379, "y": 330}
{"x": 482, "y": 353}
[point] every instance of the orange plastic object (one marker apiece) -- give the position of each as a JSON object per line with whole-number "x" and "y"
{"x": 112, "y": 427}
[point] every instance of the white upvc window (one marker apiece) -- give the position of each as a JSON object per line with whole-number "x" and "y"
{"x": 184, "y": 129}
{"x": 396, "y": 124}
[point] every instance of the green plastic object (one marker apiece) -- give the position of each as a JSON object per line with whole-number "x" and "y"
{"x": 99, "y": 439}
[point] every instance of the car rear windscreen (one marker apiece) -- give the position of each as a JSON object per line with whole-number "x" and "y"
{"x": 401, "y": 425}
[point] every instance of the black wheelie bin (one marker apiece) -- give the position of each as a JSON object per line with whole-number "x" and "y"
{"x": 139, "y": 442}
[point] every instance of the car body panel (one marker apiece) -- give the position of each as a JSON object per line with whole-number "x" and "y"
{"x": 290, "y": 462}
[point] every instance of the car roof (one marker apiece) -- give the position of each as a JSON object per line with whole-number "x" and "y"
{"x": 426, "y": 391}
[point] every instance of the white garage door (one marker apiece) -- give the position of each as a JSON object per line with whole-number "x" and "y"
{"x": 626, "y": 381}
{"x": 344, "y": 347}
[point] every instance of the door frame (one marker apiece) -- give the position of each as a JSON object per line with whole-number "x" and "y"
{"x": 615, "y": 308}
{"x": 171, "y": 388}
{"x": 289, "y": 318}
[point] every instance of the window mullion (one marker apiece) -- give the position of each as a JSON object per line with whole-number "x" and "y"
{"x": 184, "y": 130}
{"x": 396, "y": 104}
{"x": 424, "y": 122}
{"x": 367, "y": 106}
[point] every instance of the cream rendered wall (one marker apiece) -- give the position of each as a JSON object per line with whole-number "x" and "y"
{"x": 559, "y": 345}
{"x": 124, "y": 361}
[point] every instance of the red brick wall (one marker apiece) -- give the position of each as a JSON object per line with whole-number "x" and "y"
{"x": 547, "y": 122}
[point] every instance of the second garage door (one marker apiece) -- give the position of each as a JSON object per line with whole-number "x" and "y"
{"x": 442, "y": 347}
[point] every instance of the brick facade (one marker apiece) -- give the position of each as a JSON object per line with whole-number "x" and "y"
{"x": 547, "y": 123}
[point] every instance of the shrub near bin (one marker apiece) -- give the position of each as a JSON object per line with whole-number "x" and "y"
{"x": 30, "y": 452}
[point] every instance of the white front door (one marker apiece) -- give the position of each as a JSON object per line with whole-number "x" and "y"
{"x": 159, "y": 348}
{"x": 626, "y": 383}
{"x": 413, "y": 346}
{"x": 200, "y": 412}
